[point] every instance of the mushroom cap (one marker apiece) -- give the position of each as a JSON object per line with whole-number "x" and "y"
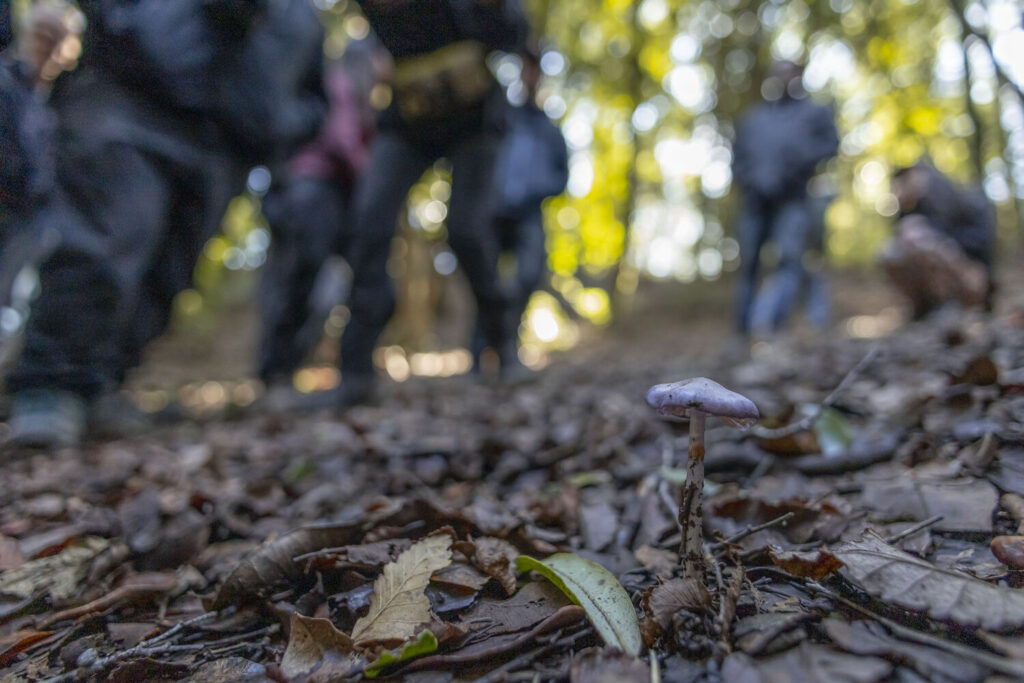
{"x": 680, "y": 399}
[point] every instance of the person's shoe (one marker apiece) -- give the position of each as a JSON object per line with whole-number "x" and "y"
{"x": 47, "y": 419}
{"x": 353, "y": 390}
{"x": 512, "y": 370}
{"x": 114, "y": 416}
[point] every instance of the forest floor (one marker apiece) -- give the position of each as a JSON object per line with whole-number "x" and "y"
{"x": 883, "y": 540}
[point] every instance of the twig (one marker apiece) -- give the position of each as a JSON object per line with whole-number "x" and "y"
{"x": 528, "y": 658}
{"x": 920, "y": 526}
{"x": 149, "y": 651}
{"x": 127, "y": 593}
{"x": 996, "y": 663}
{"x": 177, "y": 628}
{"x": 751, "y": 530}
{"x": 808, "y": 420}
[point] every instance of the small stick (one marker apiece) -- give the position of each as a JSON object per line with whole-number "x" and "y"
{"x": 751, "y": 530}
{"x": 174, "y": 630}
{"x": 128, "y": 593}
{"x": 1000, "y": 664}
{"x": 528, "y": 658}
{"x": 166, "y": 648}
{"x": 807, "y": 421}
{"x": 920, "y": 526}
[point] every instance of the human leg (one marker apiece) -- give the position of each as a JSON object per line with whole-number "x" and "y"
{"x": 752, "y": 232}
{"x": 789, "y": 231}
{"x": 395, "y": 165}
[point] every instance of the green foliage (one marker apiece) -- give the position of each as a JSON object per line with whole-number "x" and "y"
{"x": 424, "y": 643}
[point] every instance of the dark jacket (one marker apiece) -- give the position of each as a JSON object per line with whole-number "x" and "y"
{"x": 443, "y": 88}
{"x": 533, "y": 163}
{"x": 26, "y": 141}
{"x": 6, "y": 24}
{"x": 250, "y": 68}
{"x": 779, "y": 144}
{"x": 966, "y": 215}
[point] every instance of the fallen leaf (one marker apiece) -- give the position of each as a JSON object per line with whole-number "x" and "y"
{"x": 496, "y": 558}
{"x": 657, "y": 561}
{"x": 598, "y": 525}
{"x": 399, "y": 604}
{"x": 59, "y": 574}
{"x": 10, "y": 554}
{"x": 606, "y": 665}
{"x": 965, "y": 504}
{"x": 272, "y": 565}
{"x": 13, "y": 644}
{"x": 805, "y": 663}
{"x": 230, "y": 670}
{"x": 424, "y": 643}
{"x": 310, "y": 639}
{"x": 812, "y": 564}
{"x": 677, "y": 594}
{"x": 594, "y": 588}
{"x": 868, "y": 638}
{"x": 459, "y": 576}
{"x": 914, "y": 584}
{"x": 535, "y": 602}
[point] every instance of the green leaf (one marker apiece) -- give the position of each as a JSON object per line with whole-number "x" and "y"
{"x": 832, "y": 433}
{"x": 597, "y": 591}
{"x": 423, "y": 644}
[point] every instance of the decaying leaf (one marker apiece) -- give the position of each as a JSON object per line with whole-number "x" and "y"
{"x": 58, "y": 574}
{"x": 605, "y": 665}
{"x": 399, "y": 605}
{"x": 912, "y": 583}
{"x": 496, "y": 558}
{"x": 594, "y": 588}
{"x": 12, "y": 644}
{"x": 805, "y": 663}
{"x": 423, "y": 644}
{"x": 310, "y": 640}
{"x": 677, "y": 594}
{"x": 272, "y": 565}
{"x": 868, "y": 638}
{"x": 812, "y": 564}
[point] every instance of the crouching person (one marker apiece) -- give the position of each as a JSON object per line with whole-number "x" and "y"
{"x": 942, "y": 249}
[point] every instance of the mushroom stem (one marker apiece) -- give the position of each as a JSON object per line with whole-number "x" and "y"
{"x": 691, "y": 548}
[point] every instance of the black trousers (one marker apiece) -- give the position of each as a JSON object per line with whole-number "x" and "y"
{"x": 395, "y": 166}
{"x": 307, "y": 218}
{"x": 132, "y": 217}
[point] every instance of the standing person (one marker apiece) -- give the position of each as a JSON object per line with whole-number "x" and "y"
{"x": 308, "y": 211}
{"x": 172, "y": 102}
{"x": 942, "y": 249}
{"x": 778, "y": 146}
{"x": 533, "y": 165}
{"x": 446, "y": 104}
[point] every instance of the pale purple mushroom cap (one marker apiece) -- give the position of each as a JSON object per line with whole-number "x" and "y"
{"x": 680, "y": 399}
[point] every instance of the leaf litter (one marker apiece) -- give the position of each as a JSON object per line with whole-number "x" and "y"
{"x": 879, "y": 536}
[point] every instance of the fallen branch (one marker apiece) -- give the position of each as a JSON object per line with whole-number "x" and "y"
{"x": 830, "y": 400}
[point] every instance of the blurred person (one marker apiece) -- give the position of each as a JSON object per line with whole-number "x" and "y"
{"x": 308, "y": 210}
{"x": 778, "y": 147}
{"x": 942, "y": 248}
{"x": 533, "y": 165}
{"x": 172, "y": 102}
{"x": 26, "y": 146}
{"x": 446, "y": 104}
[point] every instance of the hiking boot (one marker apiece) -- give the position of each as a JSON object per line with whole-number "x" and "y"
{"x": 47, "y": 419}
{"x": 114, "y": 416}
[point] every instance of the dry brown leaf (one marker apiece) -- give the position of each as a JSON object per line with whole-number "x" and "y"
{"x": 461, "y": 578}
{"x": 59, "y": 574}
{"x": 813, "y": 564}
{"x": 496, "y": 558}
{"x": 674, "y": 595}
{"x": 399, "y": 604}
{"x": 912, "y": 583}
{"x": 310, "y": 640}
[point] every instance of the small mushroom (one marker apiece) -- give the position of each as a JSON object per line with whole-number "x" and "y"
{"x": 696, "y": 399}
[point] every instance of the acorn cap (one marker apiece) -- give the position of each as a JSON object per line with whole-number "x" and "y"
{"x": 681, "y": 399}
